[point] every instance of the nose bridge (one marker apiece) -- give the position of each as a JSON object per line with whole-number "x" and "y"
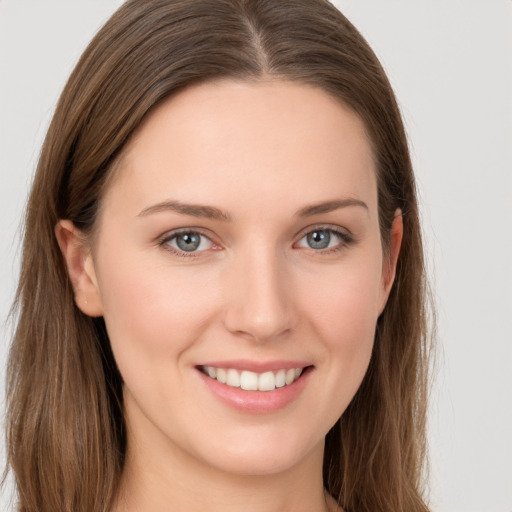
{"x": 260, "y": 304}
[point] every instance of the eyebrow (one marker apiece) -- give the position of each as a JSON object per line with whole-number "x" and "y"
{"x": 330, "y": 206}
{"x": 211, "y": 212}
{"x": 194, "y": 210}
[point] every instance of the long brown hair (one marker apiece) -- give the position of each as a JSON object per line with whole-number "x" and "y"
{"x": 65, "y": 428}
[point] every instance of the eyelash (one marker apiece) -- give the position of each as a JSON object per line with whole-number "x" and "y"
{"x": 345, "y": 241}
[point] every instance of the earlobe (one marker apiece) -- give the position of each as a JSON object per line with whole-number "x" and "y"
{"x": 80, "y": 267}
{"x": 389, "y": 267}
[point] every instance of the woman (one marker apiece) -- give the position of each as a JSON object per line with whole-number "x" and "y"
{"x": 222, "y": 297}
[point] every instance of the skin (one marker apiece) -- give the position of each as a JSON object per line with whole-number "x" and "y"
{"x": 255, "y": 289}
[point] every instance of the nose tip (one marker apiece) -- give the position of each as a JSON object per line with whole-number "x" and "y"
{"x": 260, "y": 306}
{"x": 262, "y": 324}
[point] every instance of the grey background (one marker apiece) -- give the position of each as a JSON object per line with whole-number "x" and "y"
{"x": 450, "y": 62}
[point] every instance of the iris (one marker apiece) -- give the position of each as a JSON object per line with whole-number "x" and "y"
{"x": 319, "y": 239}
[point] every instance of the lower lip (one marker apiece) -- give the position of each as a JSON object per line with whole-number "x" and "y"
{"x": 256, "y": 402}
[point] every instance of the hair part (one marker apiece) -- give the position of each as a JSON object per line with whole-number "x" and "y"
{"x": 65, "y": 430}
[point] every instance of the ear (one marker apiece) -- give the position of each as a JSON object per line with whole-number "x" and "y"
{"x": 80, "y": 265}
{"x": 389, "y": 265}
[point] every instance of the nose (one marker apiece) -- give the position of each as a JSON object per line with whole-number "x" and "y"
{"x": 260, "y": 304}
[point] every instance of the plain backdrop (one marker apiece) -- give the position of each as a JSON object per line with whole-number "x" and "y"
{"x": 450, "y": 62}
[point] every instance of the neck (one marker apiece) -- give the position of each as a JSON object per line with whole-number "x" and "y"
{"x": 159, "y": 476}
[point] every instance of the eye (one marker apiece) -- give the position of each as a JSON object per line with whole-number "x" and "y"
{"x": 188, "y": 242}
{"x": 324, "y": 238}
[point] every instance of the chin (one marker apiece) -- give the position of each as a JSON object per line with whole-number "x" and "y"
{"x": 262, "y": 455}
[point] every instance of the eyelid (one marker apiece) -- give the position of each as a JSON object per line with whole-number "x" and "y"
{"x": 343, "y": 232}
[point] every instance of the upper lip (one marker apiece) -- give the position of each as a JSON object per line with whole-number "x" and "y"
{"x": 257, "y": 366}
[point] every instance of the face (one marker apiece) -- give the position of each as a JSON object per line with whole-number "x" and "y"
{"x": 239, "y": 269}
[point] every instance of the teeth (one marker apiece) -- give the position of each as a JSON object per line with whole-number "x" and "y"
{"x": 280, "y": 378}
{"x": 222, "y": 375}
{"x": 267, "y": 382}
{"x": 251, "y": 381}
{"x": 233, "y": 379}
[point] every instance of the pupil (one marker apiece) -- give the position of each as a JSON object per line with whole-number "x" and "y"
{"x": 188, "y": 241}
{"x": 319, "y": 239}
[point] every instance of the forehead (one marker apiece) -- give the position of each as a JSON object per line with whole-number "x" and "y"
{"x": 254, "y": 140}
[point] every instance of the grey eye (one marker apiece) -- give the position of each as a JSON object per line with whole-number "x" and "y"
{"x": 188, "y": 242}
{"x": 319, "y": 239}
{"x": 184, "y": 243}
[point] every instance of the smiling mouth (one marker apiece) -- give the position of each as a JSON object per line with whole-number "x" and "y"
{"x": 252, "y": 381}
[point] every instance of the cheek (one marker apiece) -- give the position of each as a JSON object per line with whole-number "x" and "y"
{"x": 153, "y": 313}
{"x": 346, "y": 303}
{"x": 344, "y": 317}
